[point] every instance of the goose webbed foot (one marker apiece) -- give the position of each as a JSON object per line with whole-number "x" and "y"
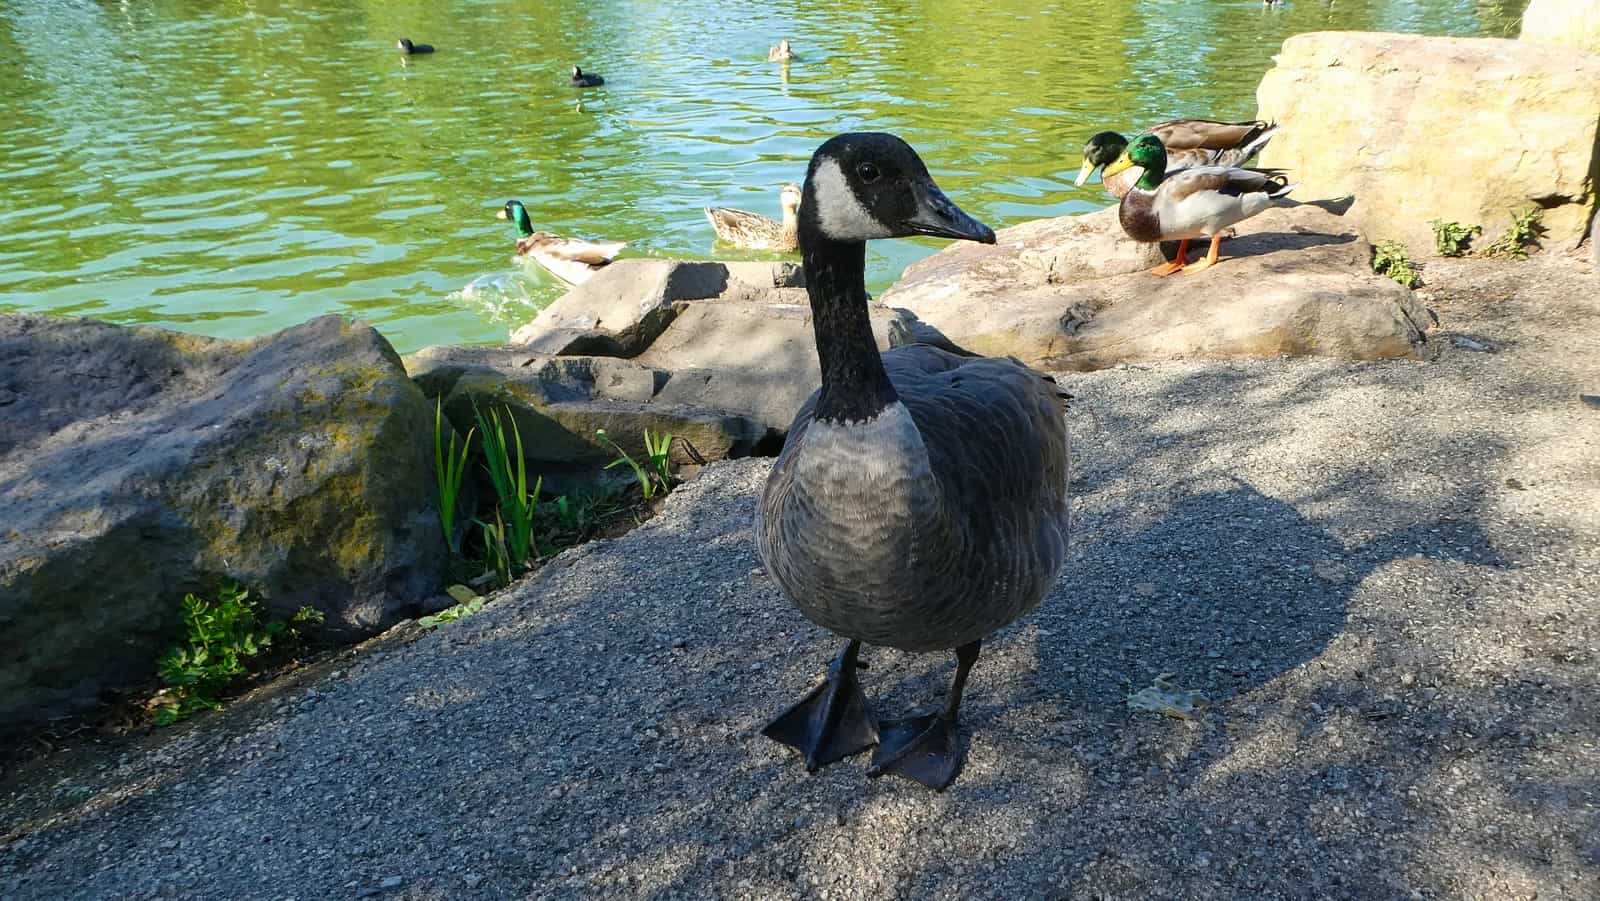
{"x": 833, "y": 722}
{"x": 924, "y": 748}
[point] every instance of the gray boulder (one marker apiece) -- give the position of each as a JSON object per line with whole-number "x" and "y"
{"x": 1073, "y": 295}
{"x": 626, "y": 305}
{"x": 725, "y": 374}
{"x": 138, "y": 464}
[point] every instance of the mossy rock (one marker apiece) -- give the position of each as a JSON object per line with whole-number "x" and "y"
{"x": 137, "y": 464}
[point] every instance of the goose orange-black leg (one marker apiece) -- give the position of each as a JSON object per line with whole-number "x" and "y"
{"x": 1178, "y": 263}
{"x": 1211, "y": 256}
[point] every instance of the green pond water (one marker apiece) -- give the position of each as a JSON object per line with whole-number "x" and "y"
{"x": 232, "y": 167}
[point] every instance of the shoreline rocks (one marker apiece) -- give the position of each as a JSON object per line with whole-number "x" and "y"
{"x": 138, "y": 464}
{"x": 1293, "y": 281}
{"x": 1418, "y": 128}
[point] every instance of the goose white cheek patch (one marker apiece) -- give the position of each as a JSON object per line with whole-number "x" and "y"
{"x": 840, "y": 214}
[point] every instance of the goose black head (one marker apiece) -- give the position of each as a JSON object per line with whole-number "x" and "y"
{"x": 1100, "y": 150}
{"x": 577, "y": 72}
{"x": 873, "y": 185}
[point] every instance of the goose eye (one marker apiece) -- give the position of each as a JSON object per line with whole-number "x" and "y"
{"x": 868, "y": 172}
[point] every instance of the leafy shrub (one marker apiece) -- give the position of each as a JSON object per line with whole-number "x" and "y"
{"x": 1451, "y": 239}
{"x": 219, "y": 642}
{"x": 1523, "y": 233}
{"x": 1390, "y": 258}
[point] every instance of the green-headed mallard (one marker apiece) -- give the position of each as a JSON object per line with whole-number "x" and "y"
{"x": 920, "y": 501}
{"x": 569, "y": 259}
{"x": 582, "y": 79}
{"x": 781, "y": 53}
{"x": 1189, "y": 143}
{"x": 753, "y": 231}
{"x": 1198, "y": 202}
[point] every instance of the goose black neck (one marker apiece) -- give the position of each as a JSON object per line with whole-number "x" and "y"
{"x": 855, "y": 387}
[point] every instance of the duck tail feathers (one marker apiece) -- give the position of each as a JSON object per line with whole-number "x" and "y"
{"x": 1254, "y": 144}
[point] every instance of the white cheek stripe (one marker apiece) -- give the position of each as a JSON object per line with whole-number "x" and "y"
{"x": 840, "y": 214}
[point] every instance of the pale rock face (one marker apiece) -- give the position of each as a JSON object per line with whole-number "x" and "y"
{"x": 1575, "y": 23}
{"x": 1419, "y": 128}
{"x": 1294, "y": 281}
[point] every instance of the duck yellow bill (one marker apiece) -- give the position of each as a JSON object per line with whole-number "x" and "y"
{"x": 1123, "y": 162}
{"x": 1084, "y": 173}
{"x": 501, "y": 214}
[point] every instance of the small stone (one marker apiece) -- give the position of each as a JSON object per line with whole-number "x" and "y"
{"x": 1514, "y": 484}
{"x": 472, "y": 880}
{"x": 1331, "y": 571}
{"x": 1145, "y": 589}
{"x": 390, "y": 883}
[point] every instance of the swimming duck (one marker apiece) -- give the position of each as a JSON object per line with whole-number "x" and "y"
{"x": 410, "y": 49}
{"x": 1191, "y": 203}
{"x": 753, "y": 231}
{"x": 1189, "y": 142}
{"x": 582, "y": 79}
{"x": 920, "y": 501}
{"x": 780, "y": 53}
{"x": 569, "y": 259}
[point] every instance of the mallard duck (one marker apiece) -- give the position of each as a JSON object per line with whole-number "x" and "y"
{"x": 753, "y": 231}
{"x": 920, "y": 501}
{"x": 1199, "y": 202}
{"x": 569, "y": 259}
{"x": 1189, "y": 143}
{"x": 582, "y": 79}
{"x": 410, "y": 49}
{"x": 780, "y": 53}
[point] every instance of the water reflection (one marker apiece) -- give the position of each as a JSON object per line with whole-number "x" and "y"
{"x": 237, "y": 167}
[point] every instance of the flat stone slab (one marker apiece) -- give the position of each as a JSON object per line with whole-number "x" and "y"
{"x": 1293, "y": 281}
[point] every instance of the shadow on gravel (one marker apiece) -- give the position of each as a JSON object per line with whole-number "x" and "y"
{"x": 595, "y": 734}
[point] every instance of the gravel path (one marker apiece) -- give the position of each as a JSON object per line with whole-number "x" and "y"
{"x": 1384, "y": 576}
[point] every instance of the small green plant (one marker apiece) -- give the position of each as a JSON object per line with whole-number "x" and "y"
{"x": 567, "y": 521}
{"x": 1390, "y": 258}
{"x": 1523, "y": 233}
{"x": 467, "y": 603}
{"x": 508, "y": 471}
{"x": 1450, "y": 239}
{"x": 654, "y": 475}
{"x": 449, "y": 467}
{"x": 496, "y": 556}
{"x": 219, "y": 641}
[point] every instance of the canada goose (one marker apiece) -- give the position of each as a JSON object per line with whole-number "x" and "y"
{"x": 780, "y": 53}
{"x": 1190, "y": 203}
{"x": 411, "y": 49}
{"x": 582, "y": 79}
{"x": 920, "y": 501}
{"x": 1189, "y": 143}
{"x": 753, "y": 231}
{"x": 570, "y": 259}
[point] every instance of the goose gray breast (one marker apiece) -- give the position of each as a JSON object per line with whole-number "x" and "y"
{"x": 981, "y": 534}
